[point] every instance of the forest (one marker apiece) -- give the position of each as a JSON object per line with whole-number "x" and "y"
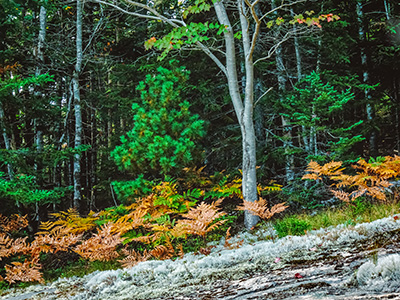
{"x": 134, "y": 130}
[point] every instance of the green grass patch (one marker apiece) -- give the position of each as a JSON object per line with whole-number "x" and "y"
{"x": 79, "y": 268}
{"x": 358, "y": 212}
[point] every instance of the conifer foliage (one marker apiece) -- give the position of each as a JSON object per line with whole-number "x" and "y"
{"x": 163, "y": 137}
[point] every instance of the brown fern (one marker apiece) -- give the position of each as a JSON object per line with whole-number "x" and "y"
{"x": 60, "y": 240}
{"x": 10, "y": 246}
{"x": 101, "y": 246}
{"x": 371, "y": 179}
{"x": 27, "y": 271}
{"x": 163, "y": 252}
{"x": 132, "y": 258}
{"x": 13, "y": 223}
{"x": 202, "y": 219}
{"x": 259, "y": 208}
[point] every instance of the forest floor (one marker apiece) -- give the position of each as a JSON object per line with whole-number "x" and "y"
{"x": 343, "y": 262}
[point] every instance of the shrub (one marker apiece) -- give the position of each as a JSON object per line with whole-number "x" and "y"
{"x": 291, "y": 226}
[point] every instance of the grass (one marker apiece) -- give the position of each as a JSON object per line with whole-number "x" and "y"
{"x": 350, "y": 214}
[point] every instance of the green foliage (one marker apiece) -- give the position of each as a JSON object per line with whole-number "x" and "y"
{"x": 291, "y": 226}
{"x": 22, "y": 189}
{"x": 163, "y": 138}
{"x": 127, "y": 191}
{"x": 313, "y": 105}
{"x": 6, "y": 86}
{"x": 300, "y": 197}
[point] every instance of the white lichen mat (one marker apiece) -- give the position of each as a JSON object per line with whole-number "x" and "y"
{"x": 179, "y": 278}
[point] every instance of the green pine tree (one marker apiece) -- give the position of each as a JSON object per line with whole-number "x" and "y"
{"x": 164, "y": 135}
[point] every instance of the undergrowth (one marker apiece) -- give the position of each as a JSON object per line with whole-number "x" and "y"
{"x": 181, "y": 216}
{"x": 360, "y": 212}
{"x": 170, "y": 221}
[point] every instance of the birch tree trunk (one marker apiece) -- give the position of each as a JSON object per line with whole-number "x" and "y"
{"x": 243, "y": 108}
{"x": 77, "y": 106}
{"x": 286, "y": 128}
{"x": 40, "y": 62}
{"x": 7, "y": 144}
{"x": 299, "y": 68}
{"x": 364, "y": 62}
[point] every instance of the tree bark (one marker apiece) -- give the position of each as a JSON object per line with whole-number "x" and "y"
{"x": 286, "y": 128}
{"x": 40, "y": 62}
{"x": 77, "y": 106}
{"x": 7, "y": 144}
{"x": 243, "y": 108}
{"x": 364, "y": 62}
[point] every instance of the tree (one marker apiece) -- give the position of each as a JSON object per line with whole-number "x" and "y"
{"x": 162, "y": 141}
{"x": 77, "y": 105}
{"x": 245, "y": 31}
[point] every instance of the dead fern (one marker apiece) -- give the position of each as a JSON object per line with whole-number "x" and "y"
{"x": 371, "y": 178}
{"x": 132, "y": 258}
{"x": 101, "y": 246}
{"x": 201, "y": 219}
{"x": 163, "y": 252}
{"x": 13, "y": 223}
{"x": 28, "y": 271}
{"x": 60, "y": 240}
{"x": 10, "y": 246}
{"x": 259, "y": 208}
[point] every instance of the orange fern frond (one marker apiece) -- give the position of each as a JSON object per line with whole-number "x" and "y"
{"x": 202, "y": 219}
{"x": 332, "y": 168}
{"x": 315, "y": 171}
{"x": 145, "y": 239}
{"x": 132, "y": 258}
{"x": 13, "y": 223}
{"x": 341, "y": 195}
{"x": 61, "y": 240}
{"x": 101, "y": 246}
{"x": 163, "y": 252}
{"x": 5, "y": 245}
{"x": 259, "y": 208}
{"x": 180, "y": 253}
{"x": 10, "y": 246}
{"x": 27, "y": 271}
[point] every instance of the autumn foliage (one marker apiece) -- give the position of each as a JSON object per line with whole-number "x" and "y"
{"x": 158, "y": 222}
{"x": 371, "y": 179}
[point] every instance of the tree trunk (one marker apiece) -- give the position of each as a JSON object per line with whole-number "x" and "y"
{"x": 387, "y": 9}
{"x": 10, "y": 168}
{"x": 244, "y": 111}
{"x": 364, "y": 62}
{"x": 40, "y": 62}
{"x": 286, "y": 128}
{"x": 77, "y": 106}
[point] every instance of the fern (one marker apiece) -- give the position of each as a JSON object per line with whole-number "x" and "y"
{"x": 259, "y": 208}
{"x": 101, "y": 246}
{"x": 371, "y": 178}
{"x": 27, "y": 271}
{"x": 202, "y": 219}
{"x": 13, "y": 223}
{"x": 132, "y": 258}
{"x": 69, "y": 219}
{"x": 60, "y": 240}
{"x": 163, "y": 252}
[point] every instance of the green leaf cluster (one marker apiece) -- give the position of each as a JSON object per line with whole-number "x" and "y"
{"x": 165, "y": 132}
{"x": 22, "y": 189}
{"x": 313, "y": 105}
